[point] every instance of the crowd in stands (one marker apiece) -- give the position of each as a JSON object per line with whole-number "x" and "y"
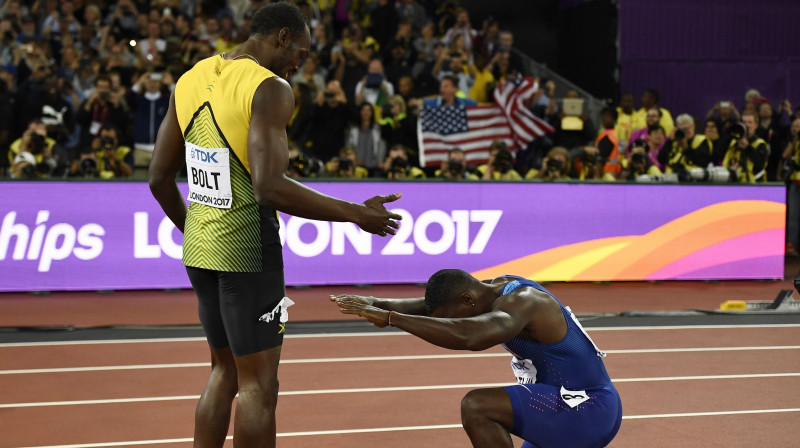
{"x": 84, "y": 86}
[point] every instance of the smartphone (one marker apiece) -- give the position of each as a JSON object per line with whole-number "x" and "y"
{"x": 724, "y": 104}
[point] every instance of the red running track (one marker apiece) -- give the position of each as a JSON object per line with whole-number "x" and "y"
{"x": 703, "y": 387}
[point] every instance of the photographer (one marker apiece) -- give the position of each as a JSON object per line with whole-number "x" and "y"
{"x": 791, "y": 175}
{"x": 455, "y": 167}
{"x": 639, "y": 162}
{"x": 555, "y": 165}
{"x": 346, "y": 165}
{"x": 300, "y": 165}
{"x": 398, "y": 166}
{"x": 456, "y": 64}
{"x": 31, "y": 155}
{"x": 101, "y": 108}
{"x": 686, "y": 150}
{"x": 500, "y": 165}
{"x": 747, "y": 153}
{"x": 85, "y": 165}
{"x": 110, "y": 155}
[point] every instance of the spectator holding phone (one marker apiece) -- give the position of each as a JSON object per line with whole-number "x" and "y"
{"x": 149, "y": 100}
{"x": 99, "y": 109}
{"x": 374, "y": 88}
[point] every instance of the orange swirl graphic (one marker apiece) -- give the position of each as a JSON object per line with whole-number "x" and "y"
{"x": 635, "y": 257}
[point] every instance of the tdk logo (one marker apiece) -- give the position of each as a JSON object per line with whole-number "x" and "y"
{"x": 203, "y": 156}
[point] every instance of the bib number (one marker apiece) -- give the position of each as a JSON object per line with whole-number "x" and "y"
{"x": 209, "y": 174}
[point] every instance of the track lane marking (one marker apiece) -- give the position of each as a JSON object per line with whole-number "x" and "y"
{"x": 388, "y": 389}
{"x": 407, "y": 428}
{"x": 384, "y": 358}
{"x": 381, "y": 333}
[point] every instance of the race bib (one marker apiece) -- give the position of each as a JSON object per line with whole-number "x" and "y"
{"x": 209, "y": 175}
{"x": 524, "y": 370}
{"x": 573, "y": 397}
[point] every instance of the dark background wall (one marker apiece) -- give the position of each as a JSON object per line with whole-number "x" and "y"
{"x": 576, "y": 38}
{"x": 699, "y": 52}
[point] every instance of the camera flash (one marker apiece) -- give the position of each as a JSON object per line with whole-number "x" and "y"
{"x": 132, "y": 43}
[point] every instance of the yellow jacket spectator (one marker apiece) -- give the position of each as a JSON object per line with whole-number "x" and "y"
{"x": 625, "y": 118}
{"x": 346, "y": 165}
{"x": 500, "y": 165}
{"x": 110, "y": 155}
{"x": 651, "y": 98}
{"x": 686, "y": 150}
{"x": 555, "y": 165}
{"x": 747, "y": 154}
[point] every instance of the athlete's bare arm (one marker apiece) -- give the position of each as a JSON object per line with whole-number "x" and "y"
{"x": 267, "y": 151}
{"x": 168, "y": 158}
{"x": 510, "y": 315}
{"x": 414, "y": 306}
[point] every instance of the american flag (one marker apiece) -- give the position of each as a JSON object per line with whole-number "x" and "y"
{"x": 474, "y": 128}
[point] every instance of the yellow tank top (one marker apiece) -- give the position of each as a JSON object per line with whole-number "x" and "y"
{"x": 213, "y": 104}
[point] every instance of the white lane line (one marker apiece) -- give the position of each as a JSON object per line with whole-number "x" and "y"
{"x": 385, "y": 358}
{"x": 390, "y": 389}
{"x": 407, "y": 428}
{"x": 370, "y": 334}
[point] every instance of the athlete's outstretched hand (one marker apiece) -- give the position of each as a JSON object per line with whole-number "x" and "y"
{"x": 366, "y": 300}
{"x": 354, "y": 305}
{"x": 376, "y": 219}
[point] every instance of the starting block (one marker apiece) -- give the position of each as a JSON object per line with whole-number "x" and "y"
{"x": 784, "y": 302}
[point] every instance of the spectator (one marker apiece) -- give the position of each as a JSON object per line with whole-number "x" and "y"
{"x": 55, "y": 113}
{"x": 351, "y": 63}
{"x": 299, "y": 126}
{"x": 773, "y": 131}
{"x": 85, "y": 165}
{"x": 686, "y": 150}
{"x": 463, "y": 28}
{"x": 373, "y": 87}
{"x": 424, "y": 46}
{"x": 488, "y": 39}
{"x": 31, "y": 156}
{"x": 568, "y": 135}
{"x": 149, "y": 99}
{"x": 365, "y": 136}
{"x": 384, "y": 22}
{"x": 555, "y": 165}
{"x": 323, "y": 47}
{"x": 448, "y": 88}
{"x": 63, "y": 21}
{"x": 505, "y": 44}
{"x": 719, "y": 144}
{"x": 500, "y": 165}
{"x": 398, "y": 128}
{"x": 607, "y": 143}
{"x": 455, "y": 63}
{"x": 651, "y": 98}
{"x": 656, "y": 137}
{"x": 456, "y": 167}
{"x": 227, "y": 35}
{"x": 412, "y": 10}
{"x": 400, "y": 54}
{"x": 639, "y": 162}
{"x": 625, "y": 118}
{"x": 28, "y": 31}
{"x": 653, "y": 118}
{"x": 726, "y": 114}
{"x": 310, "y": 75}
{"x": 110, "y": 154}
{"x": 329, "y": 123}
{"x": 100, "y": 109}
{"x": 398, "y": 166}
{"x": 747, "y": 154}
{"x": 791, "y": 157}
{"x": 483, "y": 85}
{"x": 346, "y": 165}
{"x": 7, "y": 129}
{"x": 123, "y": 20}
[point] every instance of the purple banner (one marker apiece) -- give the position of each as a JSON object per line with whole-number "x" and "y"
{"x": 90, "y": 236}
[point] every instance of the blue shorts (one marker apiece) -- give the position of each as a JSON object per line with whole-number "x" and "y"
{"x": 544, "y": 420}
